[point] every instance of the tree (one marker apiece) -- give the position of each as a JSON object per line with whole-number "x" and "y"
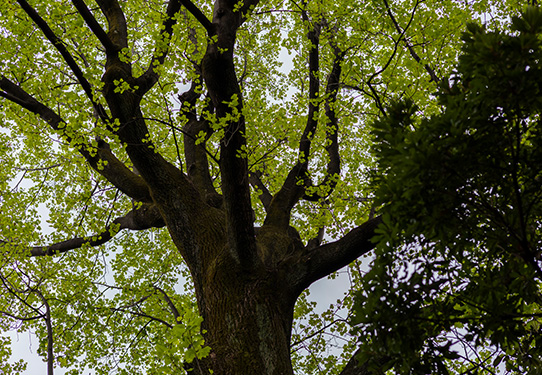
{"x": 460, "y": 256}
{"x": 227, "y": 187}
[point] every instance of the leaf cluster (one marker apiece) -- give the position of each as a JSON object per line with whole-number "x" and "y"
{"x": 458, "y": 264}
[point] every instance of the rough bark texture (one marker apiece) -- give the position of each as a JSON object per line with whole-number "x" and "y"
{"x": 246, "y": 279}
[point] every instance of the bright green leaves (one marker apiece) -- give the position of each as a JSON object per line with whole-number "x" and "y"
{"x": 238, "y": 5}
{"x": 7, "y": 368}
{"x": 182, "y": 343}
{"x": 458, "y": 260}
{"x": 106, "y": 303}
{"x": 232, "y": 116}
{"x": 121, "y": 86}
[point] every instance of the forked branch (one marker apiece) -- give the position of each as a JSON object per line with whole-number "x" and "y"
{"x": 293, "y": 187}
{"x": 333, "y": 170}
{"x": 264, "y": 193}
{"x": 328, "y": 258}
{"x": 94, "y": 26}
{"x": 103, "y": 161}
{"x": 197, "y": 132}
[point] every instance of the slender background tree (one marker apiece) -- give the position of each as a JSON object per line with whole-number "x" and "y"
{"x": 175, "y": 174}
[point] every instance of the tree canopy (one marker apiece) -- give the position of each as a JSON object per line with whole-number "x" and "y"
{"x": 176, "y": 174}
{"x": 460, "y": 262}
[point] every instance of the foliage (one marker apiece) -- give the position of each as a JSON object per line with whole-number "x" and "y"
{"x": 458, "y": 272}
{"x": 129, "y": 306}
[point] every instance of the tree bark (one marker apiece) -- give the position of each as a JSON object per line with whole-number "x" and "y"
{"x": 248, "y": 327}
{"x": 246, "y": 280}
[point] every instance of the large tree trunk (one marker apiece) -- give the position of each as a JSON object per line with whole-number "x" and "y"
{"x": 247, "y": 312}
{"x": 246, "y": 279}
{"x": 248, "y": 327}
{"x": 247, "y": 308}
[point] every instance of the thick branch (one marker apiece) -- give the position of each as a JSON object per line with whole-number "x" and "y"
{"x": 195, "y": 145}
{"x": 278, "y": 213}
{"x": 255, "y": 174}
{"x": 198, "y": 14}
{"x": 332, "y": 129}
{"x": 117, "y": 173}
{"x": 328, "y": 258}
{"x": 293, "y": 189}
{"x": 160, "y": 175}
{"x": 264, "y": 196}
{"x": 314, "y": 89}
{"x": 118, "y": 30}
{"x": 113, "y": 169}
{"x": 68, "y": 58}
{"x": 150, "y": 77}
{"x": 220, "y": 78}
{"x": 145, "y": 217}
{"x": 197, "y": 162}
{"x": 94, "y": 26}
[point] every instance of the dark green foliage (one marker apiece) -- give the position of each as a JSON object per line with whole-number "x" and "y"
{"x": 458, "y": 268}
